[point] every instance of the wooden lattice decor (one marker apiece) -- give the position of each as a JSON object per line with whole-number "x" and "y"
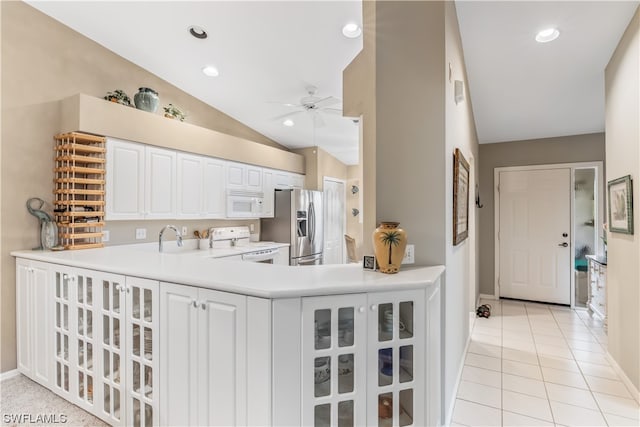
{"x": 79, "y": 188}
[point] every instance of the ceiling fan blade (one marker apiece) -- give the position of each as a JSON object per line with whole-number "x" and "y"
{"x": 285, "y": 116}
{"x": 334, "y": 111}
{"x": 286, "y": 104}
{"x": 325, "y": 102}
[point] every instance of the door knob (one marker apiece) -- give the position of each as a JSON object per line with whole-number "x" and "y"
{"x": 564, "y": 245}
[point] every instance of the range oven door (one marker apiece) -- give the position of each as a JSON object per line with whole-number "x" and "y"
{"x": 265, "y": 256}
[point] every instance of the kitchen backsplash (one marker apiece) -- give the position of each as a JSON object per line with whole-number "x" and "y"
{"x": 124, "y": 232}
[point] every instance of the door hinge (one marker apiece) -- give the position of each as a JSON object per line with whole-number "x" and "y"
{"x": 498, "y": 234}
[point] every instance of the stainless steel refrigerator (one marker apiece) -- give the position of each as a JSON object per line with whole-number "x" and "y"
{"x": 298, "y": 221}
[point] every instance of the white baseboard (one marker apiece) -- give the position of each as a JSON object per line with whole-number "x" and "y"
{"x": 9, "y": 374}
{"x": 625, "y": 379}
{"x": 487, "y": 296}
{"x": 449, "y": 413}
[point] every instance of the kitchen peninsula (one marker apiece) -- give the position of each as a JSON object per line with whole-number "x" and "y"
{"x": 138, "y": 337}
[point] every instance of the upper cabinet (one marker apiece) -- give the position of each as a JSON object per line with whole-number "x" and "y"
{"x": 140, "y": 181}
{"x": 243, "y": 177}
{"x": 125, "y": 180}
{"x": 145, "y": 182}
{"x": 160, "y": 178}
{"x": 200, "y": 187}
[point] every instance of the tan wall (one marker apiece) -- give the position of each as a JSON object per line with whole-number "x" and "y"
{"x": 622, "y": 124}
{"x": 310, "y": 155}
{"x": 566, "y": 149}
{"x": 44, "y": 62}
{"x": 460, "y": 132}
{"x": 354, "y": 223}
{"x": 330, "y": 167}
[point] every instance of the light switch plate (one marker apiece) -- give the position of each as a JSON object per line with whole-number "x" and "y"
{"x": 184, "y": 230}
{"x": 105, "y": 235}
{"x": 141, "y": 233}
{"x": 409, "y": 255}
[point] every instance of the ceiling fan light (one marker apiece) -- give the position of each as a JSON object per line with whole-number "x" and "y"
{"x": 210, "y": 71}
{"x": 547, "y": 35}
{"x": 288, "y": 123}
{"x": 351, "y": 30}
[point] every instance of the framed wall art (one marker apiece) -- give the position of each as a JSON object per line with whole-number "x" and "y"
{"x": 460, "y": 198}
{"x": 620, "y": 196}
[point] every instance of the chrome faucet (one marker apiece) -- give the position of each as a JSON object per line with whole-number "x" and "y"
{"x": 178, "y": 236}
{"x": 211, "y": 236}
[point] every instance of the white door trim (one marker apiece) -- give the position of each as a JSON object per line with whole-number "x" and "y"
{"x": 599, "y": 201}
{"x": 344, "y": 217}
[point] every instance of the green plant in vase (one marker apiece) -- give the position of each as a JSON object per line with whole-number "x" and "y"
{"x": 173, "y": 112}
{"x": 118, "y": 96}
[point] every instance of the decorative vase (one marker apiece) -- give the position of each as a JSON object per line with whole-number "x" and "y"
{"x": 389, "y": 244}
{"x": 146, "y": 99}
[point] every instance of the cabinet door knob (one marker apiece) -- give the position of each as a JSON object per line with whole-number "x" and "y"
{"x": 128, "y": 290}
{"x": 65, "y": 277}
{"x": 203, "y": 306}
{"x": 374, "y": 307}
{"x": 195, "y": 303}
{"x": 118, "y": 287}
{"x": 361, "y": 309}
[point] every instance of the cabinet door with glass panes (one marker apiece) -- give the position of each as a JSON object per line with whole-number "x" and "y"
{"x": 396, "y": 372}
{"x": 334, "y": 358}
{"x": 75, "y": 337}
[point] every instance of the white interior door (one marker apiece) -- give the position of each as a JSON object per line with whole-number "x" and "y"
{"x": 334, "y": 220}
{"x": 534, "y": 235}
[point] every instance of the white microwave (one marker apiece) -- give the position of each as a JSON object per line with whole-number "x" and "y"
{"x": 244, "y": 204}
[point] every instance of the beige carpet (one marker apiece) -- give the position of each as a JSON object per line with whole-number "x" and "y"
{"x": 24, "y": 402}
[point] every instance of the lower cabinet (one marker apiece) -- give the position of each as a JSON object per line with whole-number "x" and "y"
{"x": 202, "y": 356}
{"x": 597, "y": 301}
{"x": 34, "y": 320}
{"x": 105, "y": 339}
{"x": 366, "y": 359}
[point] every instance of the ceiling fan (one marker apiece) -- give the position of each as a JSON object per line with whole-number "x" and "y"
{"x": 312, "y": 105}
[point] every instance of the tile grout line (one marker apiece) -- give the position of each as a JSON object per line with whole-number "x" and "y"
{"x": 553, "y": 418}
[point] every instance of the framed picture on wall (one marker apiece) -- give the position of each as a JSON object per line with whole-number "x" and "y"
{"x": 620, "y": 196}
{"x": 460, "y": 198}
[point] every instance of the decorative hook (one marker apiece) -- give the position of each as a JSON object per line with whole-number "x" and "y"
{"x": 354, "y": 190}
{"x": 354, "y": 211}
{"x": 478, "y": 204}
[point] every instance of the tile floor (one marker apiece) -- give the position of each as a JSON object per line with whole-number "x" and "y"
{"x": 540, "y": 365}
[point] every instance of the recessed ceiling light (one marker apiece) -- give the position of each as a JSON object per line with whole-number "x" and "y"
{"x": 288, "y": 123}
{"x": 351, "y": 30}
{"x": 210, "y": 71}
{"x": 197, "y": 32}
{"x": 547, "y": 35}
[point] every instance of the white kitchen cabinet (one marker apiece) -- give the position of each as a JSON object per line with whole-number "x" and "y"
{"x": 200, "y": 187}
{"x": 105, "y": 340}
{"x": 268, "y": 185}
{"x": 287, "y": 180}
{"x": 190, "y": 186}
{"x": 334, "y": 360}
{"x": 202, "y": 357}
{"x": 363, "y": 359}
{"x": 34, "y": 320}
{"x": 125, "y": 180}
{"x": 282, "y": 258}
{"x": 214, "y": 194}
{"x": 141, "y": 181}
{"x": 243, "y": 177}
{"x": 160, "y": 183}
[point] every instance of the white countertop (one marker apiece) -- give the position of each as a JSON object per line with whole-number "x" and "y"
{"x": 200, "y": 268}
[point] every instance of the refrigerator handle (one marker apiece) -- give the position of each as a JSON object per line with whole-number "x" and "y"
{"x": 312, "y": 221}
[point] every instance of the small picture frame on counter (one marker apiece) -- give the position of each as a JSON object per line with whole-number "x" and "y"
{"x": 369, "y": 263}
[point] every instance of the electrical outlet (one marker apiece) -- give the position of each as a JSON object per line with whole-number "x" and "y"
{"x": 252, "y": 228}
{"x": 105, "y": 235}
{"x": 409, "y": 255}
{"x": 141, "y": 233}
{"x": 184, "y": 230}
